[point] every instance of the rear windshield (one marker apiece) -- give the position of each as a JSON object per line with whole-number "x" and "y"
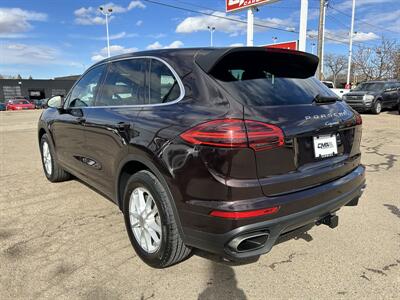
{"x": 261, "y": 88}
{"x": 268, "y": 82}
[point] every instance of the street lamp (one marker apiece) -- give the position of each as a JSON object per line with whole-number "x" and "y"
{"x": 107, "y": 14}
{"x": 211, "y": 29}
{"x": 312, "y": 48}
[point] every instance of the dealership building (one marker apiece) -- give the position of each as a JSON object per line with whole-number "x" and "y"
{"x": 33, "y": 89}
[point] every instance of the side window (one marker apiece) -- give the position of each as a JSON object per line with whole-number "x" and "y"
{"x": 124, "y": 83}
{"x": 85, "y": 90}
{"x": 163, "y": 86}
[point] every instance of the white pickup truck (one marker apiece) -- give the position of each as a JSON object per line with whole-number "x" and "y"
{"x": 339, "y": 92}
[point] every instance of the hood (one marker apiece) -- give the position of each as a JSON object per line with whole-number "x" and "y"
{"x": 362, "y": 93}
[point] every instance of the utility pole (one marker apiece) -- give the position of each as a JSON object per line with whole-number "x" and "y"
{"x": 350, "y": 44}
{"x": 107, "y": 14}
{"x": 321, "y": 32}
{"x": 250, "y": 26}
{"x": 303, "y": 25}
{"x": 211, "y": 29}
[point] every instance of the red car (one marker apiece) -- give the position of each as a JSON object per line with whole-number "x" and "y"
{"x": 19, "y": 104}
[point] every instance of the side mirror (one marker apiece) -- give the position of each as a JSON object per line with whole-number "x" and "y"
{"x": 56, "y": 102}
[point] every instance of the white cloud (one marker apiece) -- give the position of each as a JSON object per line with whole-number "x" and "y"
{"x": 387, "y": 20}
{"x": 158, "y": 45}
{"x": 117, "y": 36}
{"x": 114, "y": 50}
{"x": 19, "y": 53}
{"x": 136, "y": 4}
{"x": 231, "y": 24}
{"x": 139, "y": 23}
{"x": 157, "y": 36}
{"x": 347, "y": 4}
{"x": 16, "y": 20}
{"x": 236, "y": 45}
{"x": 92, "y": 15}
{"x": 342, "y": 36}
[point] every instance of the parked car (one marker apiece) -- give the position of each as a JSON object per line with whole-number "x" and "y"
{"x": 337, "y": 91}
{"x": 2, "y": 106}
{"x": 19, "y": 104}
{"x": 226, "y": 150}
{"x": 374, "y": 96}
{"x": 38, "y": 104}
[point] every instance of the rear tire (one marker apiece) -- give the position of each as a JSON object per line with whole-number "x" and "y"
{"x": 51, "y": 168}
{"x": 167, "y": 248}
{"x": 377, "y": 107}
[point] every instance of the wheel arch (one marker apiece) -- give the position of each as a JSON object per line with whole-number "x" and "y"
{"x": 133, "y": 164}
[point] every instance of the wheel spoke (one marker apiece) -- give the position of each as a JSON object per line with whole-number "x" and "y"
{"x": 141, "y": 202}
{"x": 154, "y": 226}
{"x": 154, "y": 236}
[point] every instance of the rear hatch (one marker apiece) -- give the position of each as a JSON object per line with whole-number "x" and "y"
{"x": 277, "y": 87}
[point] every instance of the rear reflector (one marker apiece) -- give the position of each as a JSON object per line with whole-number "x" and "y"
{"x": 235, "y": 133}
{"x": 244, "y": 214}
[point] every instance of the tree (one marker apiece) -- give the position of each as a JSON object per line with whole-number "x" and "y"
{"x": 19, "y": 76}
{"x": 336, "y": 64}
{"x": 30, "y": 77}
{"x": 378, "y": 62}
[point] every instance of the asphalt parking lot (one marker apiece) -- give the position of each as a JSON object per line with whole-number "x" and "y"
{"x": 65, "y": 241}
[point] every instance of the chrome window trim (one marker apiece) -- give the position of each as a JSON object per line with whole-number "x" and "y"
{"x": 181, "y": 86}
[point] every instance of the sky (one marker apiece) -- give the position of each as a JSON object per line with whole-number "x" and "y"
{"x": 50, "y": 38}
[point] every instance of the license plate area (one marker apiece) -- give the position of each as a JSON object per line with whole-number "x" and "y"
{"x": 325, "y": 146}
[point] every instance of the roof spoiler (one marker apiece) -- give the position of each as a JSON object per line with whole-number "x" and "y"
{"x": 282, "y": 61}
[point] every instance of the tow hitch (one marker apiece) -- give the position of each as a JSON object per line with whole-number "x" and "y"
{"x": 330, "y": 220}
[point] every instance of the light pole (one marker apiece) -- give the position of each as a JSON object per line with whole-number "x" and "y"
{"x": 211, "y": 29}
{"x": 321, "y": 36}
{"x": 303, "y": 25}
{"x": 107, "y": 14}
{"x": 350, "y": 44}
{"x": 312, "y": 48}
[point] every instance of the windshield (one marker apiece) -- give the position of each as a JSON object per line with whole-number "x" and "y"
{"x": 20, "y": 102}
{"x": 370, "y": 87}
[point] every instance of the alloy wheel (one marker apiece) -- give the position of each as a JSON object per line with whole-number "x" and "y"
{"x": 47, "y": 161}
{"x": 145, "y": 220}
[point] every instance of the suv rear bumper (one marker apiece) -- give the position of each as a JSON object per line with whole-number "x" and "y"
{"x": 280, "y": 227}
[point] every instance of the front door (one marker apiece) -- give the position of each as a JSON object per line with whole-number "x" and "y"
{"x": 110, "y": 124}
{"x": 69, "y": 129}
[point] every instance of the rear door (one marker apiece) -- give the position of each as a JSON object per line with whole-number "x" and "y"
{"x": 321, "y": 140}
{"x": 390, "y": 94}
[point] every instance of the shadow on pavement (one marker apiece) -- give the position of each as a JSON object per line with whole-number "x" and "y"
{"x": 222, "y": 284}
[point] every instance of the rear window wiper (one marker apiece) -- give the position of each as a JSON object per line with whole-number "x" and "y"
{"x": 325, "y": 99}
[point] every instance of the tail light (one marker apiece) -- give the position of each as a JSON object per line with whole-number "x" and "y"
{"x": 358, "y": 119}
{"x": 244, "y": 214}
{"x": 235, "y": 133}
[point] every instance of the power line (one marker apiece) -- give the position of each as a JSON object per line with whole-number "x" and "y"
{"x": 362, "y": 21}
{"x": 235, "y": 20}
{"x": 216, "y": 16}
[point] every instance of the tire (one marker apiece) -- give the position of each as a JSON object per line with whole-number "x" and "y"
{"x": 377, "y": 107}
{"x": 170, "y": 249}
{"x": 51, "y": 169}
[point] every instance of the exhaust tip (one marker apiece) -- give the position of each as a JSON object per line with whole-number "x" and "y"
{"x": 249, "y": 242}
